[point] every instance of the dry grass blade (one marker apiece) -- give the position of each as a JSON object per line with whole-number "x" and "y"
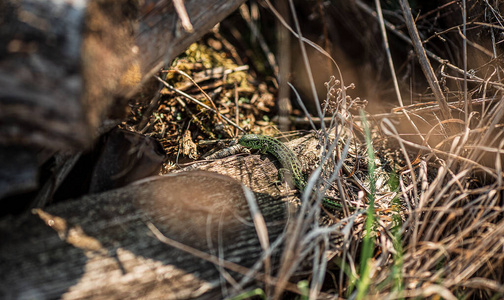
{"x": 219, "y": 262}
{"x": 424, "y": 61}
{"x": 437, "y": 226}
{"x": 387, "y": 48}
{"x": 262, "y": 230}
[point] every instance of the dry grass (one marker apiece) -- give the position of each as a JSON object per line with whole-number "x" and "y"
{"x": 438, "y": 231}
{"x": 447, "y": 237}
{"x": 431, "y": 223}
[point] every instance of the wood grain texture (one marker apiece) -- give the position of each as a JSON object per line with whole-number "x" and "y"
{"x": 99, "y": 246}
{"x": 65, "y": 66}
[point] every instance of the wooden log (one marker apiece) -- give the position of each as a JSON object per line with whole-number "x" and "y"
{"x": 65, "y": 65}
{"x": 100, "y": 246}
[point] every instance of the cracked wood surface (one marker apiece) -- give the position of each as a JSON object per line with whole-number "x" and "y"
{"x": 99, "y": 246}
{"x": 66, "y": 66}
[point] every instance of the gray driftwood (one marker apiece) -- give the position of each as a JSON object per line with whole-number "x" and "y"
{"x": 100, "y": 246}
{"x": 64, "y": 65}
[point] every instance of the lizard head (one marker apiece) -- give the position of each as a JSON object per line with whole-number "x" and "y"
{"x": 253, "y": 141}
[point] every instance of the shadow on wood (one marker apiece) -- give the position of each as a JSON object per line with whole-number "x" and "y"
{"x": 65, "y": 66}
{"x": 100, "y": 245}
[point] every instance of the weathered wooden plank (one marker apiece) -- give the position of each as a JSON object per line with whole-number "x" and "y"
{"x": 99, "y": 246}
{"x": 66, "y": 65}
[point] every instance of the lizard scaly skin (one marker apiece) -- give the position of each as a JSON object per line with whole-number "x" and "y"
{"x": 285, "y": 156}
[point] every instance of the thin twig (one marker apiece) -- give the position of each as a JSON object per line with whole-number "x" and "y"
{"x": 306, "y": 62}
{"x": 218, "y": 262}
{"x": 387, "y": 50}
{"x": 270, "y": 57}
{"x": 284, "y": 67}
{"x": 261, "y": 229}
{"x": 464, "y": 54}
{"x": 148, "y": 112}
{"x": 424, "y": 61}
{"x": 182, "y": 13}
{"x": 313, "y": 45}
{"x": 440, "y": 60}
{"x": 237, "y": 107}
{"x": 200, "y": 89}
{"x": 303, "y": 107}
{"x": 197, "y": 102}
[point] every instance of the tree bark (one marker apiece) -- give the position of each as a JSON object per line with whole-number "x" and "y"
{"x": 99, "y": 246}
{"x": 64, "y": 65}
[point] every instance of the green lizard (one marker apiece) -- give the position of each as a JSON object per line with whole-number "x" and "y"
{"x": 286, "y": 157}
